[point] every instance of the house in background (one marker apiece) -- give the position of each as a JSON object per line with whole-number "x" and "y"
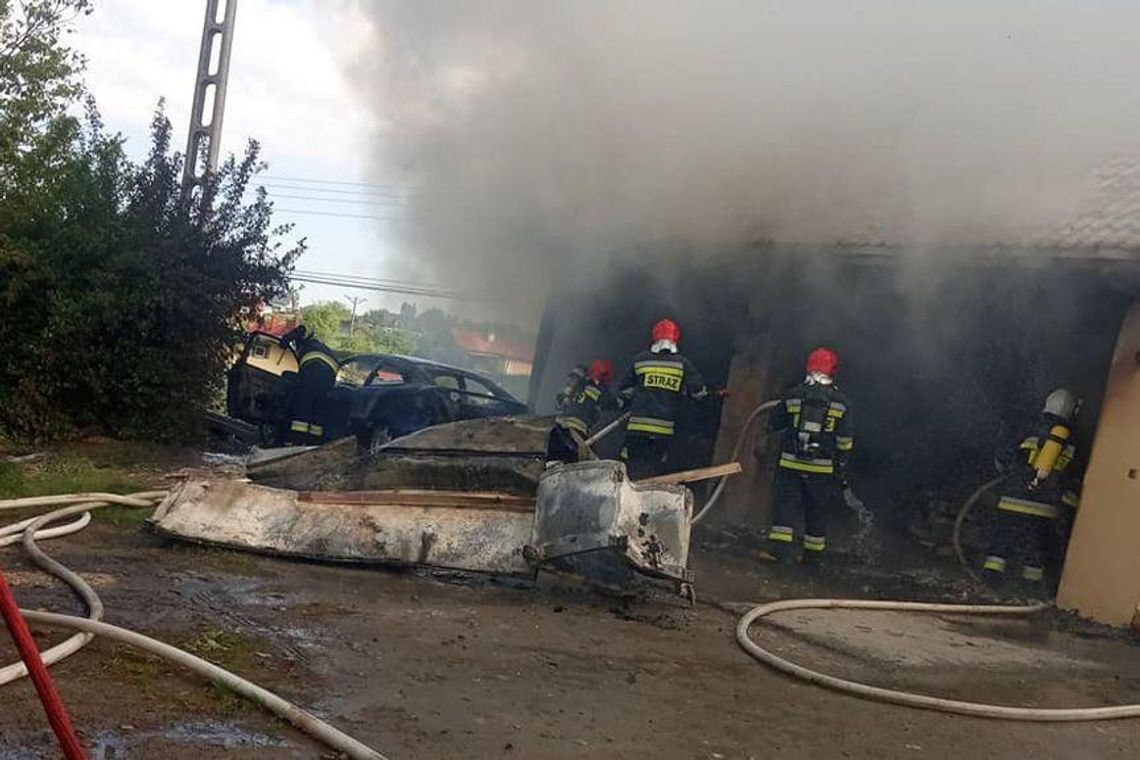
{"x": 505, "y": 359}
{"x": 275, "y": 322}
{"x": 493, "y": 355}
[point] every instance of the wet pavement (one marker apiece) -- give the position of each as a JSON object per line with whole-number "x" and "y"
{"x": 426, "y": 665}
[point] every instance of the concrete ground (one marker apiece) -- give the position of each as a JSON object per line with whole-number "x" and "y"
{"x": 445, "y": 666}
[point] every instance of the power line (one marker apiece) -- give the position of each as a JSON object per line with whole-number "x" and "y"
{"x": 316, "y": 181}
{"x": 364, "y": 282}
{"x": 365, "y": 201}
{"x": 361, "y": 285}
{"x": 303, "y": 189}
{"x": 333, "y": 213}
{"x": 353, "y": 281}
{"x": 371, "y": 280}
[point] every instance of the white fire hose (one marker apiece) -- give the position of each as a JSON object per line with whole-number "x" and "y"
{"x": 906, "y": 698}
{"x": 961, "y": 519}
{"x": 740, "y": 439}
{"x": 29, "y": 530}
{"x": 877, "y": 693}
{"x": 355, "y": 749}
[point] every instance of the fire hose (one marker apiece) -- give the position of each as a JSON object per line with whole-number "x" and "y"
{"x": 351, "y": 747}
{"x": 876, "y": 693}
{"x": 91, "y": 626}
{"x": 735, "y": 456}
{"x": 893, "y": 696}
{"x": 961, "y": 518}
{"x": 906, "y": 698}
{"x": 740, "y": 439}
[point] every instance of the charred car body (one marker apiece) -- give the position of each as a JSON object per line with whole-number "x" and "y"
{"x": 377, "y": 397}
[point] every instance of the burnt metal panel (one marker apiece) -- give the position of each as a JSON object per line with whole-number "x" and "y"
{"x": 592, "y": 506}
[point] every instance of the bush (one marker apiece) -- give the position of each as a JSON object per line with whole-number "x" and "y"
{"x": 123, "y": 303}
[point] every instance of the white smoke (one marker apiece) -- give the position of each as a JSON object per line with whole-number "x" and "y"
{"x": 530, "y": 131}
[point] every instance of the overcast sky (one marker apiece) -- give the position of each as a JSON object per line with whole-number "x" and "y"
{"x": 286, "y": 89}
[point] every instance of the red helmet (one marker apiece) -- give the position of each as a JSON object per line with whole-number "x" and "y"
{"x": 666, "y": 329}
{"x": 601, "y": 371}
{"x": 823, "y": 360}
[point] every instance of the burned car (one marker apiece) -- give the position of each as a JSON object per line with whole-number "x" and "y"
{"x": 377, "y": 397}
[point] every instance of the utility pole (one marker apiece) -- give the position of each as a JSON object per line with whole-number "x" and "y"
{"x": 354, "y": 300}
{"x": 213, "y": 74}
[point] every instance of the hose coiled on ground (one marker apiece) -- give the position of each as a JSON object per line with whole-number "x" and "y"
{"x": 91, "y": 626}
{"x": 906, "y": 698}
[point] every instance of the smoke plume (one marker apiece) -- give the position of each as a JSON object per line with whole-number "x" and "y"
{"x": 530, "y": 132}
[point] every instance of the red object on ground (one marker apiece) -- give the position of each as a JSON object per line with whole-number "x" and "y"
{"x": 30, "y": 654}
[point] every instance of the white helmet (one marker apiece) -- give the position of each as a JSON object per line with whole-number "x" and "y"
{"x": 1062, "y": 403}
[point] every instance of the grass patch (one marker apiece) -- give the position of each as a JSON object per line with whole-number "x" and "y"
{"x": 150, "y": 675}
{"x": 227, "y": 702}
{"x": 122, "y": 516}
{"x": 228, "y": 649}
{"x": 64, "y": 475}
{"x": 131, "y": 455}
{"x": 141, "y": 670}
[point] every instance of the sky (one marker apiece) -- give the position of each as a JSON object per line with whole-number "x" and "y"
{"x": 286, "y": 89}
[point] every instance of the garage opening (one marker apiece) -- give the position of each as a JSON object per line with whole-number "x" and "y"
{"x": 946, "y": 356}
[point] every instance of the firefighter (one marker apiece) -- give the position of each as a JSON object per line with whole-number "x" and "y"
{"x": 575, "y": 381}
{"x": 579, "y": 409}
{"x": 315, "y": 378}
{"x": 816, "y": 441}
{"x": 1031, "y": 521}
{"x": 654, "y": 388}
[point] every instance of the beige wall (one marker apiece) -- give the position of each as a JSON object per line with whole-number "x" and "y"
{"x": 1102, "y": 572}
{"x": 270, "y": 356}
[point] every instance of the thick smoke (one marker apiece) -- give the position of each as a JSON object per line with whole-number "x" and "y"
{"x": 531, "y": 131}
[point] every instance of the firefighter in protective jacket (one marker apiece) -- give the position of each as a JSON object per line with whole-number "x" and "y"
{"x": 814, "y": 422}
{"x": 1031, "y": 522}
{"x": 581, "y": 404}
{"x": 315, "y": 378}
{"x": 655, "y": 387}
{"x": 575, "y": 381}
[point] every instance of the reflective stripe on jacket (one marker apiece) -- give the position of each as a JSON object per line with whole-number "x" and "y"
{"x": 792, "y": 461}
{"x": 831, "y": 440}
{"x": 1027, "y": 507}
{"x": 655, "y": 386}
{"x": 582, "y": 411}
{"x": 318, "y": 355}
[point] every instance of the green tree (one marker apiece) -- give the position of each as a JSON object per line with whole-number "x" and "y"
{"x": 123, "y": 304}
{"x": 374, "y": 332}
{"x": 131, "y": 301}
{"x": 39, "y": 75}
{"x": 392, "y": 340}
{"x": 324, "y": 318}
